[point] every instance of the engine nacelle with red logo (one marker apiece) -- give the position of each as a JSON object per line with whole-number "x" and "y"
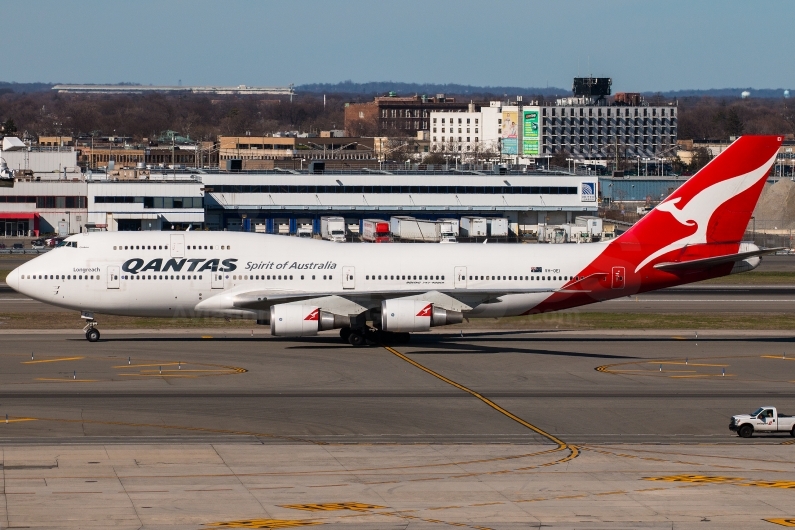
{"x": 415, "y": 315}
{"x": 295, "y": 320}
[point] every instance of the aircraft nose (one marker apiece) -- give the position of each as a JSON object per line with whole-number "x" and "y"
{"x": 13, "y": 279}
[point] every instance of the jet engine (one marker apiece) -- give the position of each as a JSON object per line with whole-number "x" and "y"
{"x": 294, "y": 320}
{"x": 415, "y": 315}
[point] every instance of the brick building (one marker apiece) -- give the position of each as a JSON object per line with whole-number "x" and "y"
{"x": 396, "y": 116}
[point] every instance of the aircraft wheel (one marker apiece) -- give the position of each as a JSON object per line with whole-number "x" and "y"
{"x": 345, "y": 333}
{"x": 792, "y": 432}
{"x": 92, "y": 335}
{"x": 746, "y": 431}
{"x": 355, "y": 339}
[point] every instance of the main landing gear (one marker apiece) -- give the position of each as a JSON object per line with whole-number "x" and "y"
{"x": 92, "y": 333}
{"x": 362, "y": 336}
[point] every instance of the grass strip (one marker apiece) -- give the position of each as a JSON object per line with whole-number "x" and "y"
{"x": 639, "y": 321}
{"x": 753, "y": 278}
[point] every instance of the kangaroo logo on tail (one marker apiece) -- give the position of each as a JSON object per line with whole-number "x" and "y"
{"x": 698, "y": 210}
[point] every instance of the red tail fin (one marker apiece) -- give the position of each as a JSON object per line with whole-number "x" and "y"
{"x": 707, "y": 216}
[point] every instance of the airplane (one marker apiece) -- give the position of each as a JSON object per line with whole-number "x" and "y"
{"x": 371, "y": 293}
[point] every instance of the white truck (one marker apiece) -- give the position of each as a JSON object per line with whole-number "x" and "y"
{"x": 304, "y": 230}
{"x": 447, "y": 231}
{"x": 764, "y": 420}
{"x": 498, "y": 227}
{"x": 454, "y": 224}
{"x": 594, "y": 224}
{"x": 333, "y": 229}
{"x": 474, "y": 227}
{"x": 408, "y": 228}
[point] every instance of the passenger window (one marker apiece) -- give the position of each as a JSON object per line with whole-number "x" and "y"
{"x": 313, "y": 276}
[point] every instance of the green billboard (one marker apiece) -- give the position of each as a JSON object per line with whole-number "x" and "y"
{"x": 530, "y": 132}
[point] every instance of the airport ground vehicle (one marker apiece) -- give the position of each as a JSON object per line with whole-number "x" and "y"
{"x": 408, "y": 228}
{"x": 333, "y": 229}
{"x": 474, "y": 227}
{"x": 300, "y": 286}
{"x": 375, "y": 231}
{"x": 763, "y": 420}
{"x": 498, "y": 227}
{"x": 18, "y": 246}
{"x": 38, "y": 244}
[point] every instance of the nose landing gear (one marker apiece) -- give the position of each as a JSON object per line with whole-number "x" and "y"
{"x": 92, "y": 333}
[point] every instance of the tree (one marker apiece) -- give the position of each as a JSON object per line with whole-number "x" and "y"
{"x": 701, "y": 157}
{"x": 9, "y": 127}
{"x": 560, "y": 159}
{"x": 733, "y": 124}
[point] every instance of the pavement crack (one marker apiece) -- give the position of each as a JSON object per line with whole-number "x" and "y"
{"x": 124, "y": 489}
{"x": 239, "y": 480}
{"x": 5, "y": 497}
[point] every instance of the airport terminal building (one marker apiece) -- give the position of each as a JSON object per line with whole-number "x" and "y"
{"x": 277, "y": 201}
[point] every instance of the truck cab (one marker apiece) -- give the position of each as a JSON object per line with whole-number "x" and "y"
{"x": 763, "y": 420}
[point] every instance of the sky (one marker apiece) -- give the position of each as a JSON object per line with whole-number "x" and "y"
{"x": 642, "y": 45}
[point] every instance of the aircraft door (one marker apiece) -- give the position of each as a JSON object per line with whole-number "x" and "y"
{"x": 619, "y": 277}
{"x": 348, "y": 278}
{"x": 217, "y": 281}
{"x": 460, "y": 277}
{"x": 177, "y": 246}
{"x": 113, "y": 277}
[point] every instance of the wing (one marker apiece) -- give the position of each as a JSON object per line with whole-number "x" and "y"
{"x": 349, "y": 302}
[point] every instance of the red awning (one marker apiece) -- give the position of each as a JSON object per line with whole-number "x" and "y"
{"x": 18, "y": 215}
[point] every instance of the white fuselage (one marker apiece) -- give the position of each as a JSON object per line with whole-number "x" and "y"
{"x": 187, "y": 274}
